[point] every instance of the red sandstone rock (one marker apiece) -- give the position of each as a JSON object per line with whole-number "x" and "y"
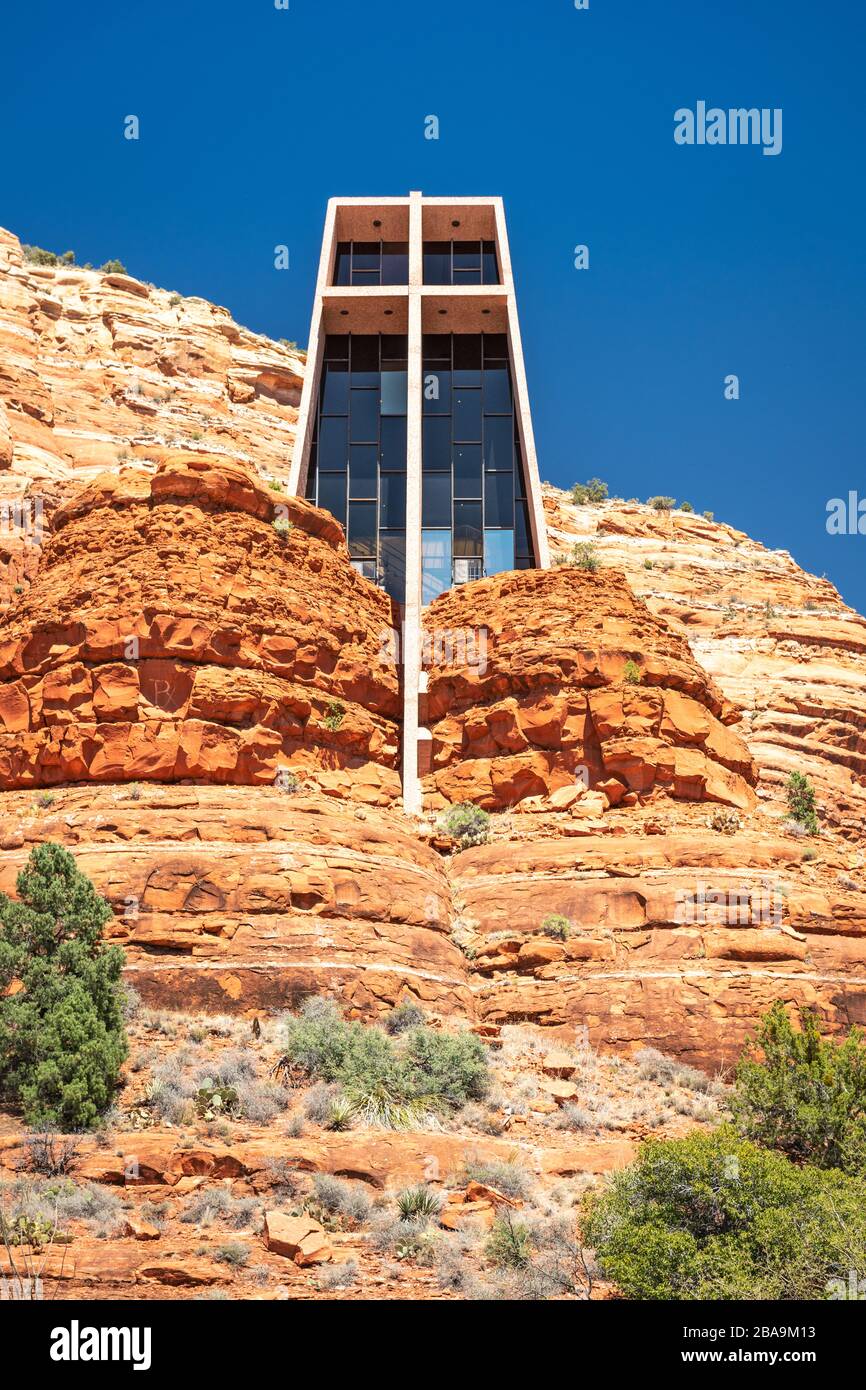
{"x": 298, "y": 1238}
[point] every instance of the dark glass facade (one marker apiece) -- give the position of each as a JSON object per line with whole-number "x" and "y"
{"x": 460, "y": 263}
{"x": 475, "y": 515}
{"x": 372, "y": 263}
{"x": 358, "y": 458}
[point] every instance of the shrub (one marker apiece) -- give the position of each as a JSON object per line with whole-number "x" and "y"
{"x": 805, "y": 1095}
{"x": 233, "y": 1253}
{"x": 686, "y": 507}
{"x": 593, "y": 491}
{"x": 210, "y": 1204}
{"x": 393, "y": 1082}
{"x": 113, "y": 268}
{"x": 661, "y": 504}
{"x": 508, "y": 1243}
{"x": 62, "y": 1039}
{"x": 655, "y": 1066}
{"x": 341, "y": 1276}
{"x": 404, "y": 1017}
{"x": 507, "y": 1178}
{"x": 724, "y": 821}
{"x": 52, "y": 1154}
{"x": 467, "y": 824}
{"x": 341, "y": 1199}
{"x": 801, "y": 802}
{"x": 557, "y": 927}
{"x": 715, "y": 1217}
{"x": 415, "y": 1202}
{"x": 631, "y": 672}
{"x": 334, "y": 717}
{"x": 341, "y": 1115}
{"x": 61, "y": 1200}
{"x": 282, "y": 526}
{"x": 35, "y": 255}
{"x": 584, "y": 556}
{"x": 709, "y": 516}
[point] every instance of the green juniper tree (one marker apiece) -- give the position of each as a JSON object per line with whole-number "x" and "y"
{"x": 62, "y": 1039}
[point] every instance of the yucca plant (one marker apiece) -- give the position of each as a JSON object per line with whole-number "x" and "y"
{"x": 415, "y": 1203}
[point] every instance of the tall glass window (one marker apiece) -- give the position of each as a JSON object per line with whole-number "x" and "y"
{"x": 460, "y": 263}
{"x": 372, "y": 263}
{"x": 473, "y": 481}
{"x": 358, "y": 459}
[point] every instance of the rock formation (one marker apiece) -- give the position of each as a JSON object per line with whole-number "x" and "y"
{"x": 204, "y": 707}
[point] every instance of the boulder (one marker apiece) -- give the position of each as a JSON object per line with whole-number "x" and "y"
{"x": 297, "y": 1238}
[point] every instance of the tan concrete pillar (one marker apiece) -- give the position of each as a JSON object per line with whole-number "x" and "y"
{"x": 411, "y": 644}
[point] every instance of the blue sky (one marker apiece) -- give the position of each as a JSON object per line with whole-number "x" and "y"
{"x": 704, "y": 261}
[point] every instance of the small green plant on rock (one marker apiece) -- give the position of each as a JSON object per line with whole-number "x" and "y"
{"x": 213, "y": 1101}
{"x": 467, "y": 824}
{"x": 334, "y": 717}
{"x": 557, "y": 927}
{"x": 283, "y": 526}
{"x": 592, "y": 492}
{"x": 801, "y": 802}
{"x": 417, "y": 1202}
{"x": 508, "y": 1246}
{"x": 726, "y": 822}
{"x": 631, "y": 672}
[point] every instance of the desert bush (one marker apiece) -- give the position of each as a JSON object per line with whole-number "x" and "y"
{"x": 593, "y": 491}
{"x": 557, "y": 927}
{"x": 584, "y": 556}
{"x": 233, "y": 1252}
{"x": 661, "y": 504}
{"x": 803, "y": 1094}
{"x": 557, "y": 1261}
{"x": 631, "y": 672}
{"x": 113, "y": 268}
{"x": 335, "y": 715}
{"x": 226, "y": 1086}
{"x": 62, "y": 1039}
{"x": 467, "y": 824}
{"x": 724, "y": 821}
{"x": 715, "y": 1217}
{"x": 405, "y": 1240}
{"x": 801, "y": 802}
{"x": 667, "y": 1071}
{"x": 54, "y": 1155}
{"x": 393, "y": 1082}
{"x": 508, "y": 1244}
{"x": 36, "y": 255}
{"x": 404, "y": 1017}
{"x": 283, "y": 526}
{"x": 506, "y": 1177}
{"x": 59, "y": 1201}
{"x": 414, "y": 1202}
{"x": 217, "y": 1204}
{"x": 575, "y": 1118}
{"x": 295, "y": 1125}
{"x": 341, "y": 1276}
{"x": 345, "y": 1200}
{"x": 686, "y": 507}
